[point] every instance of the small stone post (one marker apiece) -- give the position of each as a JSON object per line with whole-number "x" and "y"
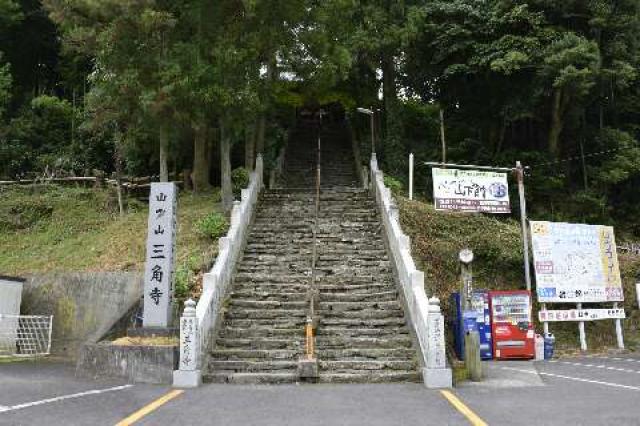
{"x": 188, "y": 375}
{"x": 472, "y": 355}
{"x": 436, "y": 373}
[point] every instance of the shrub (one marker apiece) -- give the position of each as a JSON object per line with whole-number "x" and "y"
{"x": 393, "y": 184}
{"x": 182, "y": 282}
{"x": 212, "y": 226}
{"x": 239, "y": 179}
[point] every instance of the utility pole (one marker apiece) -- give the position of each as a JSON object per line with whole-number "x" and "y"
{"x": 519, "y": 170}
{"x": 444, "y": 143}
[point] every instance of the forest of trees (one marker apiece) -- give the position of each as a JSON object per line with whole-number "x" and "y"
{"x": 153, "y": 86}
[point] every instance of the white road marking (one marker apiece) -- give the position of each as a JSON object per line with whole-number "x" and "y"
{"x": 62, "y": 398}
{"x": 626, "y": 359}
{"x": 577, "y": 379}
{"x": 603, "y": 366}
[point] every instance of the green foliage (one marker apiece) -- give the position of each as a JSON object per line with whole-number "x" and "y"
{"x": 212, "y": 226}
{"x": 43, "y": 130}
{"x": 239, "y": 179}
{"x": 23, "y": 213}
{"x": 182, "y": 279}
{"x": 393, "y": 184}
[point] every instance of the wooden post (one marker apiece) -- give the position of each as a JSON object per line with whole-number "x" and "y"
{"x": 472, "y": 355}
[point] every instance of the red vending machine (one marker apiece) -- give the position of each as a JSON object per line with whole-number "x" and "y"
{"x": 511, "y": 325}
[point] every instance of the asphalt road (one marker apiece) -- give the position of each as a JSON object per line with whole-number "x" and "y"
{"x": 576, "y": 391}
{"x": 582, "y": 391}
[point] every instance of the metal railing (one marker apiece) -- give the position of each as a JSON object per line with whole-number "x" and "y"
{"x": 25, "y": 335}
{"x": 313, "y": 290}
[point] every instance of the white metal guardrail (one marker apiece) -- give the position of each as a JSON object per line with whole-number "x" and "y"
{"x": 25, "y": 335}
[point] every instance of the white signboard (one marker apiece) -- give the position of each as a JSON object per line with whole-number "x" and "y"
{"x": 158, "y": 277}
{"x": 575, "y": 263}
{"x": 581, "y": 315}
{"x": 470, "y": 191}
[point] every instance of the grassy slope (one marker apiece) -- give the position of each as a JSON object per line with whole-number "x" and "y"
{"x": 437, "y": 237}
{"x": 78, "y": 229}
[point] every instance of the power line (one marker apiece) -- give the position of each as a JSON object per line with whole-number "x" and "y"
{"x": 580, "y": 157}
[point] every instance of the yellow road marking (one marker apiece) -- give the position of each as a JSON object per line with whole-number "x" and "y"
{"x": 149, "y": 408}
{"x": 466, "y": 411}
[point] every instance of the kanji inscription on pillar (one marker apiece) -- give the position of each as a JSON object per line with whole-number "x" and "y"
{"x": 161, "y": 237}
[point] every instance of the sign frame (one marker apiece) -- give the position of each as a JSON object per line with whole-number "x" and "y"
{"x": 470, "y": 191}
{"x": 575, "y": 263}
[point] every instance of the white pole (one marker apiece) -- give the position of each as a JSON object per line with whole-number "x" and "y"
{"x": 411, "y": 176}
{"x": 545, "y": 325}
{"x": 50, "y": 332}
{"x": 618, "y": 329}
{"x": 638, "y": 293}
{"x": 583, "y": 336}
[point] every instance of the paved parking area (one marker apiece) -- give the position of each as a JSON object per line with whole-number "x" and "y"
{"x": 581, "y": 390}
{"x": 601, "y": 390}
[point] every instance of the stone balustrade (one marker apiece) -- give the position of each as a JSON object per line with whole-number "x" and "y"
{"x": 199, "y": 327}
{"x": 425, "y": 315}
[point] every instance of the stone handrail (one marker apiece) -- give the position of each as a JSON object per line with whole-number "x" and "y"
{"x": 426, "y": 319}
{"x": 196, "y": 327}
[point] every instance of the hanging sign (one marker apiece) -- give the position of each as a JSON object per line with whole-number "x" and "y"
{"x": 581, "y": 315}
{"x": 470, "y": 191}
{"x": 161, "y": 237}
{"x": 575, "y": 263}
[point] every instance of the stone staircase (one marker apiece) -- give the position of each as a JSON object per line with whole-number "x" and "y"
{"x": 362, "y": 334}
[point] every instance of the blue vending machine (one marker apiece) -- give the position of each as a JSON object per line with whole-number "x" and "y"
{"x": 479, "y": 310}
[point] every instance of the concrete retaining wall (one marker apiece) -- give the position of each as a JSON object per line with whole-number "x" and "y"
{"x": 137, "y": 364}
{"x": 84, "y": 305}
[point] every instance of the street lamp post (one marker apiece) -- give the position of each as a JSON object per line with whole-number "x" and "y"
{"x": 370, "y": 113}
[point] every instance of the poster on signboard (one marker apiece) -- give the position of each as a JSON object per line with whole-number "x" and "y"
{"x": 470, "y": 191}
{"x": 575, "y": 263}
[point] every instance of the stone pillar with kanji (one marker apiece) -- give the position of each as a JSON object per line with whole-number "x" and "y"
{"x": 188, "y": 374}
{"x": 161, "y": 237}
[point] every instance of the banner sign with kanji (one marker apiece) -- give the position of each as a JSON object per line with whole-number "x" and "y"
{"x": 581, "y": 315}
{"x": 158, "y": 277}
{"x": 470, "y": 191}
{"x": 575, "y": 263}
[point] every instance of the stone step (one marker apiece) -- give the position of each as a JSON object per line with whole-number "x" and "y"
{"x": 250, "y": 378}
{"x": 349, "y": 307}
{"x": 364, "y": 314}
{"x": 301, "y": 295}
{"x": 252, "y": 304}
{"x": 348, "y": 342}
{"x": 261, "y": 332}
{"x": 352, "y": 354}
{"x": 346, "y": 269}
{"x": 269, "y": 314}
{"x": 253, "y": 366}
{"x": 254, "y": 354}
{"x": 363, "y": 332}
{"x": 355, "y": 278}
{"x": 343, "y": 366}
{"x": 266, "y": 322}
{"x": 323, "y": 286}
{"x": 362, "y": 322}
{"x": 368, "y": 376}
{"x": 264, "y": 343}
